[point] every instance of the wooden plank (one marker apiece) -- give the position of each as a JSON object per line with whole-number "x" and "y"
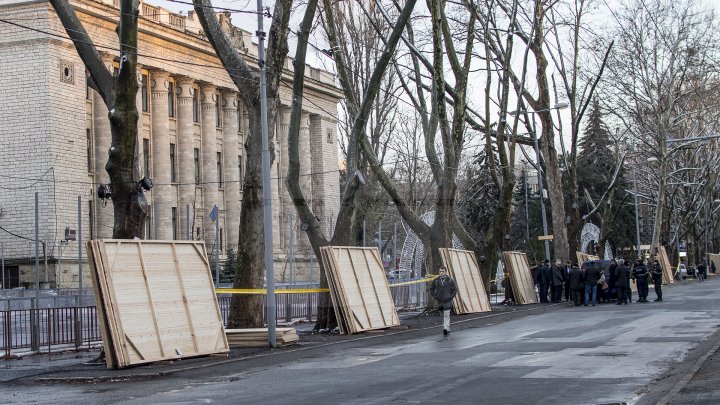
{"x": 463, "y": 268}
{"x": 146, "y": 294}
{"x": 520, "y": 279}
{"x": 666, "y": 267}
{"x": 108, "y": 344}
{"x": 181, "y": 284}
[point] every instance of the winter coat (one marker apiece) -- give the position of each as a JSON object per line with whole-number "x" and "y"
{"x": 557, "y": 275}
{"x": 443, "y": 289}
{"x": 657, "y": 273}
{"x": 640, "y": 272}
{"x": 611, "y": 281}
{"x": 535, "y": 274}
{"x": 576, "y": 279}
{"x": 545, "y": 274}
{"x": 592, "y": 275}
{"x": 622, "y": 276}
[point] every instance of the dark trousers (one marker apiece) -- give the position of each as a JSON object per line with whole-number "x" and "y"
{"x": 658, "y": 289}
{"x": 557, "y": 293}
{"x": 567, "y": 291}
{"x": 577, "y": 296}
{"x": 544, "y": 292}
{"x": 642, "y": 285}
{"x": 622, "y": 295}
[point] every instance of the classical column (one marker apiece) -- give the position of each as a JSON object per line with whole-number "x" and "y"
{"x": 284, "y": 202}
{"x": 231, "y": 167}
{"x": 306, "y": 179}
{"x": 324, "y": 163}
{"x": 209, "y": 159}
{"x": 160, "y": 140}
{"x": 185, "y": 145}
{"x": 102, "y": 139}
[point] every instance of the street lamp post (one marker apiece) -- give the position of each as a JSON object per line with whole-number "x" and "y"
{"x": 637, "y": 216}
{"x": 527, "y": 212}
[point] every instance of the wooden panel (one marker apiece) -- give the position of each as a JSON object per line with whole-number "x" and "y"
{"x": 463, "y": 268}
{"x": 583, "y": 257}
{"x": 713, "y": 258}
{"x": 162, "y": 302}
{"x": 520, "y": 278}
{"x": 359, "y": 289}
{"x": 666, "y": 267}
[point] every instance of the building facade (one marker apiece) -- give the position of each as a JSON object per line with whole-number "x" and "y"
{"x": 56, "y": 137}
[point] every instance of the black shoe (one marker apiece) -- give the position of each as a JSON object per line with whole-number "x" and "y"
{"x": 619, "y": 303}
{"x": 658, "y": 300}
{"x": 445, "y": 332}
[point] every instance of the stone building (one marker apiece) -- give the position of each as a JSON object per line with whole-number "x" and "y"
{"x": 55, "y": 138}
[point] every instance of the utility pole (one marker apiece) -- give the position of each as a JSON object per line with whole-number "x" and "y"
{"x": 527, "y": 211}
{"x": 542, "y": 197}
{"x": 267, "y": 195}
{"x": 637, "y": 215}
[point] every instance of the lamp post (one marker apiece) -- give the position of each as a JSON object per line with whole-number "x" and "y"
{"x": 558, "y": 106}
{"x": 637, "y": 216}
{"x": 527, "y": 212}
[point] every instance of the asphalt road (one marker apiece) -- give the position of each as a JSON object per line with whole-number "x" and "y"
{"x": 539, "y": 354}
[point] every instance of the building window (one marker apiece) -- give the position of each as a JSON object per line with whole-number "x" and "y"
{"x": 174, "y": 223}
{"x": 91, "y": 220}
{"x": 171, "y": 99}
{"x": 196, "y": 157}
{"x": 218, "y": 115}
{"x": 196, "y": 106}
{"x": 221, "y": 240}
{"x": 144, "y": 93}
{"x": 219, "y": 170}
{"x": 88, "y": 150}
{"x": 197, "y": 233}
{"x": 88, "y": 93}
{"x": 240, "y": 171}
{"x": 173, "y": 170}
{"x": 146, "y": 157}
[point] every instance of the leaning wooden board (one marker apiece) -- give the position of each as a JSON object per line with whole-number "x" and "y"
{"x": 158, "y": 300}
{"x": 359, "y": 289}
{"x": 520, "y": 278}
{"x": 665, "y": 264}
{"x": 583, "y": 257}
{"x": 713, "y": 258}
{"x": 471, "y": 296}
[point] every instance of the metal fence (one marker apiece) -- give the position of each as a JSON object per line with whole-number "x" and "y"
{"x": 79, "y": 326}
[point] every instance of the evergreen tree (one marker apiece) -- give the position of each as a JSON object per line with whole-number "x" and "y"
{"x": 596, "y": 165}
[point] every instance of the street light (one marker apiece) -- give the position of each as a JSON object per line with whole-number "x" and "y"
{"x": 558, "y": 106}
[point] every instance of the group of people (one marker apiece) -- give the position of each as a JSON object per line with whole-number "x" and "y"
{"x": 591, "y": 283}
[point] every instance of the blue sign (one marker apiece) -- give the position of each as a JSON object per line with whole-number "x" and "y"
{"x": 214, "y": 213}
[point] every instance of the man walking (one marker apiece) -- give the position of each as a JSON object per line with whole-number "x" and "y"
{"x": 622, "y": 280}
{"x": 546, "y": 279}
{"x": 443, "y": 289}
{"x": 657, "y": 275}
{"x": 701, "y": 272}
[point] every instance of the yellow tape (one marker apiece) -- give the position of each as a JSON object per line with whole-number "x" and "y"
{"x": 262, "y": 291}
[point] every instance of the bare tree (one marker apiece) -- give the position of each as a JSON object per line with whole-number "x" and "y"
{"x": 247, "y": 311}
{"x": 119, "y": 95}
{"x": 663, "y": 77}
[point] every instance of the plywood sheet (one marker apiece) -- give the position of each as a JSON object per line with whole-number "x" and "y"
{"x": 359, "y": 289}
{"x": 666, "y": 267}
{"x": 583, "y": 257}
{"x": 462, "y": 266}
{"x": 521, "y": 280}
{"x": 159, "y": 300}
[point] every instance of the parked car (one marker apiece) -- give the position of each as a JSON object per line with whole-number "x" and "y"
{"x": 692, "y": 271}
{"x": 682, "y": 271}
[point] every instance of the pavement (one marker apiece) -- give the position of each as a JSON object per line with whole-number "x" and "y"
{"x": 690, "y": 378}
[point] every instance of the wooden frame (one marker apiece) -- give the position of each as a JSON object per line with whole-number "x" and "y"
{"x": 666, "y": 267}
{"x": 583, "y": 257}
{"x": 359, "y": 289}
{"x": 471, "y": 296}
{"x": 520, "y": 278}
{"x": 156, "y": 301}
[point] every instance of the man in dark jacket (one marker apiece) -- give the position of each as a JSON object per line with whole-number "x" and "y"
{"x": 557, "y": 280}
{"x": 577, "y": 283}
{"x": 592, "y": 275}
{"x": 611, "y": 280}
{"x": 566, "y": 280}
{"x": 640, "y": 274}
{"x": 657, "y": 275}
{"x": 622, "y": 280}
{"x": 546, "y": 280}
{"x": 443, "y": 289}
